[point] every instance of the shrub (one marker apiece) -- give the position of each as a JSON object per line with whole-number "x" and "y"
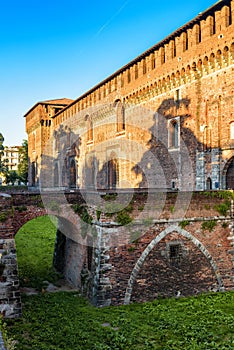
{"x": 3, "y": 217}
{"x": 184, "y": 223}
{"x": 21, "y": 208}
{"x": 209, "y": 225}
{"x": 123, "y": 218}
{"x": 223, "y": 208}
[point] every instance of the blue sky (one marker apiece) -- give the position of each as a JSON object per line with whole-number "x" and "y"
{"x": 53, "y": 49}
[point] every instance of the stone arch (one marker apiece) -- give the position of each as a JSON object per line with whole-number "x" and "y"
{"x": 154, "y": 242}
{"x": 29, "y": 213}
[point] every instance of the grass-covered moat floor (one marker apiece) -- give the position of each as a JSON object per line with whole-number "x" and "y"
{"x": 64, "y": 320}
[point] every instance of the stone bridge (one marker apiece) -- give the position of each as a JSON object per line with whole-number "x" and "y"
{"x": 126, "y": 246}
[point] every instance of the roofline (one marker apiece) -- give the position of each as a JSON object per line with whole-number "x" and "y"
{"x": 212, "y": 8}
{"x": 45, "y": 103}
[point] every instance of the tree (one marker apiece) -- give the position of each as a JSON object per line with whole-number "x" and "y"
{"x": 23, "y": 162}
{"x": 11, "y": 177}
{"x": 3, "y": 163}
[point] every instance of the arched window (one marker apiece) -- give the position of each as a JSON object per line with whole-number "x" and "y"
{"x": 113, "y": 173}
{"x": 232, "y": 130}
{"x": 120, "y": 116}
{"x": 173, "y": 134}
{"x": 72, "y": 173}
{"x": 89, "y": 121}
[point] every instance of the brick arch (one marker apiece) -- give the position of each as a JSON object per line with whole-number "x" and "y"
{"x": 22, "y": 217}
{"x": 154, "y": 242}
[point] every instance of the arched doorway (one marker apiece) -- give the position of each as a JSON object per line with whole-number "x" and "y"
{"x": 209, "y": 184}
{"x": 230, "y": 175}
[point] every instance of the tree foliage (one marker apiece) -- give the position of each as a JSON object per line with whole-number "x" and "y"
{"x": 23, "y": 162}
{"x": 3, "y": 164}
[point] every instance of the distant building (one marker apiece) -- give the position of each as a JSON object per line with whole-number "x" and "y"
{"x": 11, "y": 159}
{"x": 11, "y": 156}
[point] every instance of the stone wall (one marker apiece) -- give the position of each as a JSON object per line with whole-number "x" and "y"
{"x": 10, "y": 302}
{"x": 163, "y": 255}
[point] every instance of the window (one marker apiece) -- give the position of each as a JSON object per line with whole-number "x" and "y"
{"x": 89, "y": 128}
{"x": 175, "y": 253}
{"x": 173, "y": 134}
{"x": 120, "y": 116}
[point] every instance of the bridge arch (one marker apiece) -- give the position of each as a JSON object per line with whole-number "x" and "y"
{"x": 154, "y": 242}
{"x": 22, "y": 214}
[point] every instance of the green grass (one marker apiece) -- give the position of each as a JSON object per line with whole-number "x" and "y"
{"x": 65, "y": 320}
{"x": 35, "y": 247}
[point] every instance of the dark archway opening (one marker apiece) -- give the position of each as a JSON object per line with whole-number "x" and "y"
{"x": 230, "y": 175}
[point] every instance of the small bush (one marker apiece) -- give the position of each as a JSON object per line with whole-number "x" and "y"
{"x": 21, "y": 208}
{"x": 184, "y": 223}
{"x": 141, "y": 208}
{"x": 123, "y": 218}
{"x": 209, "y": 225}
{"x": 223, "y": 208}
{"x": 3, "y": 217}
{"x": 110, "y": 196}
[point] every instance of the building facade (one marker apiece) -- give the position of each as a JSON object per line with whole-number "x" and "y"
{"x": 164, "y": 120}
{"x": 10, "y": 158}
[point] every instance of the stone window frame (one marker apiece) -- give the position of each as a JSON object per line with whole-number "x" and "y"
{"x": 120, "y": 117}
{"x": 174, "y": 133}
{"x": 175, "y": 252}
